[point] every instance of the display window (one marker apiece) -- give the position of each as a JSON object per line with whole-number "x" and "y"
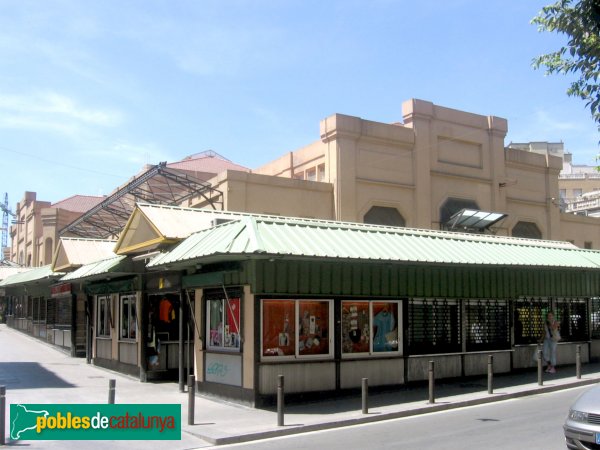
{"x": 369, "y": 327}
{"x": 128, "y": 317}
{"x": 296, "y": 328}
{"x": 279, "y": 331}
{"x": 223, "y": 323}
{"x": 103, "y": 316}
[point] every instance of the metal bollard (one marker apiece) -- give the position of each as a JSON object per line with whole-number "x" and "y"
{"x": 280, "y": 400}
{"x": 191, "y": 399}
{"x": 111, "y": 391}
{"x": 431, "y": 382}
{"x": 2, "y": 415}
{"x": 365, "y": 396}
{"x": 490, "y": 374}
{"x": 540, "y": 372}
{"x": 578, "y": 362}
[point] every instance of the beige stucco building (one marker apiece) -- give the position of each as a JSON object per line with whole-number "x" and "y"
{"x": 34, "y": 236}
{"x": 416, "y": 173}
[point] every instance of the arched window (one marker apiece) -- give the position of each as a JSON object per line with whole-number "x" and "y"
{"x": 383, "y": 215}
{"x": 29, "y": 260}
{"x": 21, "y": 258}
{"x": 48, "y": 251}
{"x": 453, "y": 205}
{"x": 527, "y": 230}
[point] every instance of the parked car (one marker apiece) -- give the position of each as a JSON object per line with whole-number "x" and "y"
{"x": 582, "y": 427}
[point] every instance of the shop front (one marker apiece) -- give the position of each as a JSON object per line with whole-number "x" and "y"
{"x": 168, "y": 329}
{"x": 116, "y": 324}
{"x": 326, "y": 305}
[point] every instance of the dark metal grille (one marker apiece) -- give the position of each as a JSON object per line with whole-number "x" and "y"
{"x": 530, "y": 314}
{"x": 434, "y": 326}
{"x": 572, "y": 315}
{"x": 487, "y": 325}
{"x": 594, "y": 418}
{"x": 595, "y": 317}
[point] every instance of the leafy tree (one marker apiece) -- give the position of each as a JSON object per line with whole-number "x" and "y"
{"x": 579, "y": 20}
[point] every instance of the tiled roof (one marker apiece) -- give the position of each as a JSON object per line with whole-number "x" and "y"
{"x": 78, "y": 203}
{"x": 350, "y": 241}
{"x": 211, "y": 163}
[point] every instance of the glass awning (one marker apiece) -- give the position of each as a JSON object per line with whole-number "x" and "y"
{"x": 473, "y": 219}
{"x": 160, "y": 184}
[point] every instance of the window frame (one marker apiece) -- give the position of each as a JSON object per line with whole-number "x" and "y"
{"x": 208, "y": 340}
{"x": 107, "y": 301}
{"x": 131, "y": 305}
{"x": 371, "y": 353}
{"x": 296, "y": 356}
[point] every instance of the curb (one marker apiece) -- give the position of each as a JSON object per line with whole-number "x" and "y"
{"x": 259, "y": 435}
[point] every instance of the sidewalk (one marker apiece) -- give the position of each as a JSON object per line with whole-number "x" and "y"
{"x": 35, "y": 372}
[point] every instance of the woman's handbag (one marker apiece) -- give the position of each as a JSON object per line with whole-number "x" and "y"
{"x": 556, "y": 335}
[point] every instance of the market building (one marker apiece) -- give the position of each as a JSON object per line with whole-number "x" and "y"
{"x": 327, "y": 303}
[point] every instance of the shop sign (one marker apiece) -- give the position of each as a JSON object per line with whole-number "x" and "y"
{"x": 60, "y": 289}
{"x": 223, "y": 369}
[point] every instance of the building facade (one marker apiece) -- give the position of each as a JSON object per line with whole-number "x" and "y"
{"x": 415, "y": 174}
{"x": 35, "y": 234}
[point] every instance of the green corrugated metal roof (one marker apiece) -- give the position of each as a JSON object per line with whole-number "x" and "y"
{"x": 289, "y": 237}
{"x": 31, "y": 275}
{"x": 95, "y": 268}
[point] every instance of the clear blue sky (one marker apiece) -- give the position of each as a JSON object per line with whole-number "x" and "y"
{"x": 91, "y": 91}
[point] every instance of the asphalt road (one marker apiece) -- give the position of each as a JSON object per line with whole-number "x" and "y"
{"x": 525, "y": 423}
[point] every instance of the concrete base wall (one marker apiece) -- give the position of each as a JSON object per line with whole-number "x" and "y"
{"x": 379, "y": 372}
{"x": 299, "y": 377}
{"x": 476, "y": 364}
{"x": 449, "y": 366}
{"x": 595, "y": 350}
{"x": 565, "y": 354}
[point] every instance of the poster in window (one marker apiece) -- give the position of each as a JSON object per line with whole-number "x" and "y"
{"x": 355, "y": 327}
{"x": 215, "y": 323}
{"x": 232, "y": 324}
{"x": 385, "y": 326}
{"x": 279, "y": 334}
{"x": 313, "y": 323}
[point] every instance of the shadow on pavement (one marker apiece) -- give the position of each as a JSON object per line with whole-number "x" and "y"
{"x": 29, "y": 375}
{"x": 418, "y": 391}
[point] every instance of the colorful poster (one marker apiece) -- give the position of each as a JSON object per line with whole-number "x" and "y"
{"x": 313, "y": 327}
{"x": 385, "y": 326}
{"x": 279, "y": 334}
{"x": 355, "y": 327}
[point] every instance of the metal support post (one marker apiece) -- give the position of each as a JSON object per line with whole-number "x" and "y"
{"x": 111, "y": 391}
{"x": 2, "y": 415}
{"x": 181, "y": 360}
{"x": 191, "y": 399}
{"x": 365, "y": 396}
{"x": 431, "y": 382}
{"x": 280, "y": 400}
{"x": 578, "y": 362}
{"x": 490, "y": 374}
{"x": 540, "y": 368}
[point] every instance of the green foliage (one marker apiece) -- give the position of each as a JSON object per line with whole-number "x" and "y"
{"x": 579, "y": 20}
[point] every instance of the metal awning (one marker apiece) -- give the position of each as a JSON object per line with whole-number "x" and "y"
{"x": 473, "y": 219}
{"x": 29, "y": 276}
{"x": 263, "y": 238}
{"x": 158, "y": 185}
{"x": 90, "y": 270}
